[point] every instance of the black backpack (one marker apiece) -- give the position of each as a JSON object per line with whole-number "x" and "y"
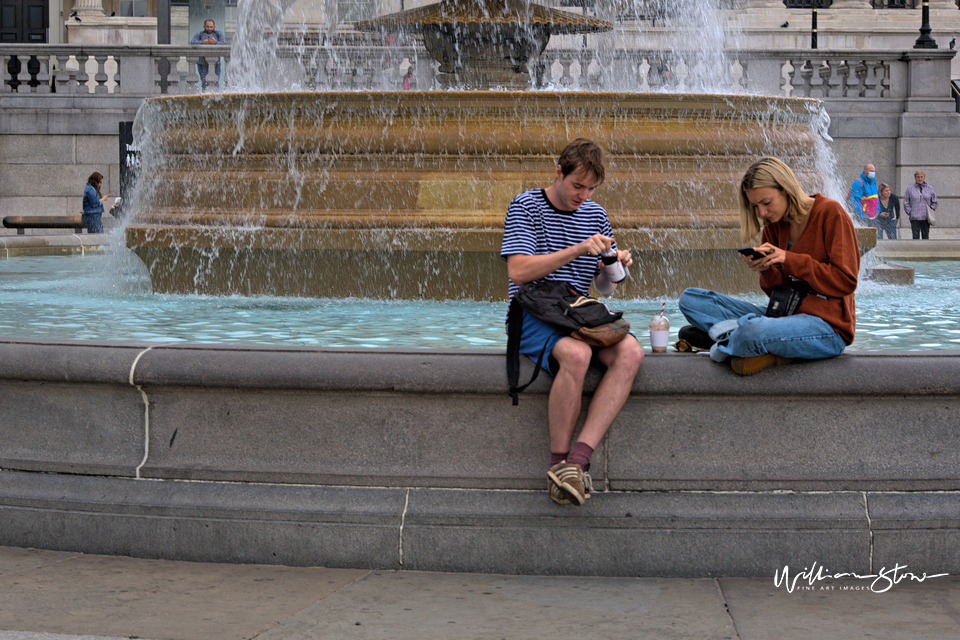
{"x": 560, "y": 305}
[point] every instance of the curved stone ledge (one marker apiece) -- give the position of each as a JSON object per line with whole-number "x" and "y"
{"x": 416, "y": 458}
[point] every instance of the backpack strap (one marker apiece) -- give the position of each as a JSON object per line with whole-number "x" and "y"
{"x": 514, "y": 331}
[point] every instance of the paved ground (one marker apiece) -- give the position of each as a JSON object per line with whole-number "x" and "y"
{"x": 50, "y": 595}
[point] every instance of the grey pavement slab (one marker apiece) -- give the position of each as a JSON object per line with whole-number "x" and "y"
{"x": 64, "y": 593}
{"x": 49, "y": 595}
{"x": 908, "y": 610}
{"x": 415, "y": 605}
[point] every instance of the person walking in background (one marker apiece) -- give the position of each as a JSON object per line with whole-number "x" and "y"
{"x": 917, "y": 198}
{"x": 863, "y": 196}
{"x": 209, "y": 35}
{"x": 93, "y": 201}
{"x": 888, "y": 212}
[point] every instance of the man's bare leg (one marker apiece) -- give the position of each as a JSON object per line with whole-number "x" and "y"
{"x": 622, "y": 361}
{"x": 568, "y": 481}
{"x": 563, "y": 409}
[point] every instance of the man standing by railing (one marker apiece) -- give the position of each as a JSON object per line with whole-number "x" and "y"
{"x": 209, "y": 35}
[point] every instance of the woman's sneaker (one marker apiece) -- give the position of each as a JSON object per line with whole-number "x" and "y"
{"x": 755, "y": 364}
{"x": 692, "y": 338}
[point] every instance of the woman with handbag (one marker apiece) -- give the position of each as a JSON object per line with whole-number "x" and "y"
{"x": 808, "y": 261}
{"x": 887, "y": 213}
{"x": 916, "y": 200}
{"x": 93, "y": 204}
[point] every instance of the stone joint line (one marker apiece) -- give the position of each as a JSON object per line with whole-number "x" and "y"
{"x": 146, "y": 413}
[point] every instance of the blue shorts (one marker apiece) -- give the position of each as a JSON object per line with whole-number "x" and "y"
{"x": 535, "y": 334}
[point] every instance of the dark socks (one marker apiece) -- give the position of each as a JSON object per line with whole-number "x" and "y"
{"x": 580, "y": 454}
{"x": 557, "y": 458}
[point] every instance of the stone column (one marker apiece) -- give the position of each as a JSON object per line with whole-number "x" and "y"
{"x": 930, "y": 131}
{"x": 88, "y": 7}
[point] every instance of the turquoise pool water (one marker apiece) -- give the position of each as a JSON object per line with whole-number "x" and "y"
{"x": 107, "y": 297}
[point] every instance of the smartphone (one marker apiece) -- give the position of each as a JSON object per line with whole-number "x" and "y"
{"x": 752, "y": 253}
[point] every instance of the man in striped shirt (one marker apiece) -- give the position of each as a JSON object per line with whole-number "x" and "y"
{"x": 558, "y": 233}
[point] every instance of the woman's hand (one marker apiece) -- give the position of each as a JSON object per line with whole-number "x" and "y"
{"x": 104, "y": 198}
{"x": 774, "y": 255}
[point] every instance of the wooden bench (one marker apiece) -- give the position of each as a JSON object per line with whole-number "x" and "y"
{"x": 20, "y": 223}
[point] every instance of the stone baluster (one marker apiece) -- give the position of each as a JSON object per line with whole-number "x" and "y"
{"x": 100, "y": 76}
{"x": 859, "y": 69}
{"x": 818, "y": 68}
{"x": 835, "y": 76}
{"x": 575, "y": 74}
{"x": 738, "y": 73}
{"x": 5, "y": 83}
{"x": 643, "y": 71}
{"x": 62, "y": 77}
{"x": 43, "y": 74}
{"x": 679, "y": 74}
{"x": 801, "y": 78}
{"x": 188, "y": 82}
{"x": 23, "y": 78}
{"x": 595, "y": 75}
{"x": 786, "y": 80}
{"x": 82, "y": 77}
{"x": 880, "y": 76}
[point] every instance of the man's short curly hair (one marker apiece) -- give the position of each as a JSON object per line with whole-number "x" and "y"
{"x": 582, "y": 153}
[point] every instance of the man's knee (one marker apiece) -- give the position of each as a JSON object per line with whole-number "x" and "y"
{"x": 630, "y": 354}
{"x": 572, "y": 355}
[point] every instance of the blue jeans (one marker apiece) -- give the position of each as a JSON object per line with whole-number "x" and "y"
{"x": 92, "y": 222}
{"x": 796, "y": 336}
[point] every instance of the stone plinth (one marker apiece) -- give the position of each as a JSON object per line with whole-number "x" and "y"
{"x": 416, "y": 459}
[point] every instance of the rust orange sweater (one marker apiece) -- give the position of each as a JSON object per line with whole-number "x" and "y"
{"x": 826, "y": 257}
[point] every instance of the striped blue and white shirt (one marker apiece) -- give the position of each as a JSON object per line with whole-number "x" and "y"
{"x": 534, "y": 226}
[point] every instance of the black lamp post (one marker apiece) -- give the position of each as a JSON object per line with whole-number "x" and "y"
{"x": 925, "y": 41}
{"x": 813, "y": 31}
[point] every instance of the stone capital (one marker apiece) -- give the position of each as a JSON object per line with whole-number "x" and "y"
{"x": 88, "y": 7}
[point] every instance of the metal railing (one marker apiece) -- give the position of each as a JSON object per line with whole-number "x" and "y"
{"x": 894, "y": 4}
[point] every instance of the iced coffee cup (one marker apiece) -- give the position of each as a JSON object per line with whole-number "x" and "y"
{"x": 659, "y": 333}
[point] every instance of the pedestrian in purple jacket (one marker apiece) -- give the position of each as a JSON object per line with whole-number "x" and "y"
{"x": 916, "y": 199}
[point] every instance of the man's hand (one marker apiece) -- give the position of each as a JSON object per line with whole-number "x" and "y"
{"x": 594, "y": 245}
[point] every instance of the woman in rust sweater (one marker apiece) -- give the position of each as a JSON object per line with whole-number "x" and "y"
{"x": 808, "y": 245}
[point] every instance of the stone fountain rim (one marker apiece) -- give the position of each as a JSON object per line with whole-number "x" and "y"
{"x": 622, "y": 99}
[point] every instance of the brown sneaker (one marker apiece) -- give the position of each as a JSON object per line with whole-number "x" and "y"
{"x": 755, "y": 364}
{"x": 560, "y": 496}
{"x": 572, "y": 480}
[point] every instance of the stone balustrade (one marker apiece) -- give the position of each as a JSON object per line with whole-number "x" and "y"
{"x": 172, "y": 70}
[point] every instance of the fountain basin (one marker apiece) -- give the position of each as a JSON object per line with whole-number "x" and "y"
{"x": 272, "y": 193}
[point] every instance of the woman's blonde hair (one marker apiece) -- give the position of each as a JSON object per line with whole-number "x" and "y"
{"x": 770, "y": 173}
